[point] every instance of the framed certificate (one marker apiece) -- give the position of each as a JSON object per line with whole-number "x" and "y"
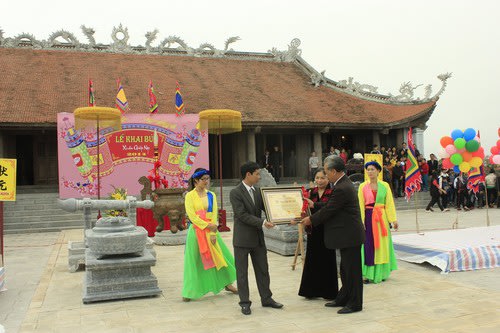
{"x": 283, "y": 204}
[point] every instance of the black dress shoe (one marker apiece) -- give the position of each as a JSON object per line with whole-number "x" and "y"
{"x": 245, "y": 309}
{"x": 348, "y": 309}
{"x": 332, "y": 304}
{"x": 273, "y": 304}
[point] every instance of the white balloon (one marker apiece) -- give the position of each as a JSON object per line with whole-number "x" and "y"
{"x": 443, "y": 154}
{"x": 496, "y": 159}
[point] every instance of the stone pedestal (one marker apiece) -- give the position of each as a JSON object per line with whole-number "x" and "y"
{"x": 119, "y": 277}
{"x": 282, "y": 239}
{"x": 76, "y": 256}
{"x": 168, "y": 238}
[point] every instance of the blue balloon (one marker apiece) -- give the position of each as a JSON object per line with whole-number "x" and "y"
{"x": 456, "y": 169}
{"x": 455, "y": 134}
{"x": 469, "y": 134}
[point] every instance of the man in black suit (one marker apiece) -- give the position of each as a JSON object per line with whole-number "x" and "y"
{"x": 345, "y": 231}
{"x": 276, "y": 164}
{"x": 248, "y": 238}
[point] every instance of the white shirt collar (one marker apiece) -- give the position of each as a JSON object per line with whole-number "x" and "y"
{"x": 248, "y": 187}
{"x": 338, "y": 179}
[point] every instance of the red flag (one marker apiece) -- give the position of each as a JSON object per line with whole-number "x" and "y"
{"x": 153, "y": 102}
{"x": 91, "y": 93}
{"x": 413, "y": 178}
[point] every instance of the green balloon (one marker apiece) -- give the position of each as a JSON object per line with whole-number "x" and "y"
{"x": 472, "y": 146}
{"x": 456, "y": 159}
{"x": 459, "y": 143}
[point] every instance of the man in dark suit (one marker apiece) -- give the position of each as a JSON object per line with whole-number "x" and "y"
{"x": 276, "y": 164}
{"x": 248, "y": 238}
{"x": 343, "y": 230}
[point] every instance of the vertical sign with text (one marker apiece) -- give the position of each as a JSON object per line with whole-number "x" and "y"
{"x": 7, "y": 179}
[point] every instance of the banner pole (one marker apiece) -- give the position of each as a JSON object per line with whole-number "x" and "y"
{"x": 1, "y": 232}
{"x": 487, "y": 206}
{"x": 416, "y": 214}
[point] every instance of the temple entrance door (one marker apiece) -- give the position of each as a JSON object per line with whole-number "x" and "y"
{"x": 289, "y": 156}
{"x": 45, "y": 160}
{"x": 24, "y": 156}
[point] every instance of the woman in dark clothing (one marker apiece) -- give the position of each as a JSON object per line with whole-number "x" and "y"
{"x": 436, "y": 192}
{"x": 319, "y": 277}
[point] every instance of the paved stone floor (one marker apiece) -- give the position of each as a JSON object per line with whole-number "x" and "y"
{"x": 43, "y": 296}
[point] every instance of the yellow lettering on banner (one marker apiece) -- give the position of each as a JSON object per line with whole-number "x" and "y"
{"x": 8, "y": 179}
{"x": 173, "y": 158}
{"x": 119, "y": 139}
{"x": 134, "y": 139}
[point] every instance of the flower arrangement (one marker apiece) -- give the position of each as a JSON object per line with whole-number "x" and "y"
{"x": 119, "y": 193}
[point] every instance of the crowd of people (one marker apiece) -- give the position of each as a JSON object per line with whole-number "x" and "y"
{"x": 447, "y": 188}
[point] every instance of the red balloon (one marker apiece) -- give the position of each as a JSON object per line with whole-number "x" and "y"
{"x": 491, "y": 160}
{"x": 479, "y": 153}
{"x": 447, "y": 164}
{"x": 494, "y": 150}
{"x": 498, "y": 143}
{"x": 446, "y": 140}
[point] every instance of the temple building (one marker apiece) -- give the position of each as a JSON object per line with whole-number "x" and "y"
{"x": 284, "y": 101}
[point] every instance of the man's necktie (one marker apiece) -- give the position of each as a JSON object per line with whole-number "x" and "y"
{"x": 252, "y": 194}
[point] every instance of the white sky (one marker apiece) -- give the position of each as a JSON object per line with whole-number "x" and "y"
{"x": 383, "y": 43}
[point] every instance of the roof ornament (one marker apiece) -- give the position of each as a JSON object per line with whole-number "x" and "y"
{"x": 167, "y": 42}
{"x": 230, "y": 40}
{"x": 150, "y": 37}
{"x": 89, "y": 33}
{"x": 288, "y": 56}
{"x": 443, "y": 77}
{"x": 69, "y": 39}
{"x": 318, "y": 78}
{"x": 357, "y": 88}
{"x": 25, "y": 39}
{"x": 120, "y": 38}
{"x": 406, "y": 93}
{"x": 205, "y": 47}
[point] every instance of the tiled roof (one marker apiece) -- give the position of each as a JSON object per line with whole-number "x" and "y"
{"x": 35, "y": 85}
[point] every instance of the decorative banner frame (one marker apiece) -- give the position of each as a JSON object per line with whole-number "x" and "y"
{"x": 126, "y": 155}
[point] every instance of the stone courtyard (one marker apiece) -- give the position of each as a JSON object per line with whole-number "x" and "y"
{"x": 43, "y": 296}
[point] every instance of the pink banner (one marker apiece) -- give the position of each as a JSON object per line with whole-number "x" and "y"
{"x": 128, "y": 154}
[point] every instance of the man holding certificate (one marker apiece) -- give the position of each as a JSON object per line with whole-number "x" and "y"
{"x": 343, "y": 230}
{"x": 248, "y": 238}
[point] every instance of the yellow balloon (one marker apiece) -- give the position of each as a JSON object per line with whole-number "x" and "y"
{"x": 476, "y": 162}
{"x": 464, "y": 166}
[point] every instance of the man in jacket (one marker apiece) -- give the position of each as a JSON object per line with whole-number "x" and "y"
{"x": 248, "y": 238}
{"x": 343, "y": 230}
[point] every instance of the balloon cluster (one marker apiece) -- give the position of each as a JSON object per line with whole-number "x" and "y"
{"x": 461, "y": 151}
{"x": 495, "y": 152}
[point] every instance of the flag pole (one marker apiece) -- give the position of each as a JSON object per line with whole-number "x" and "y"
{"x": 416, "y": 214}
{"x": 487, "y": 206}
{"x": 455, "y": 224}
